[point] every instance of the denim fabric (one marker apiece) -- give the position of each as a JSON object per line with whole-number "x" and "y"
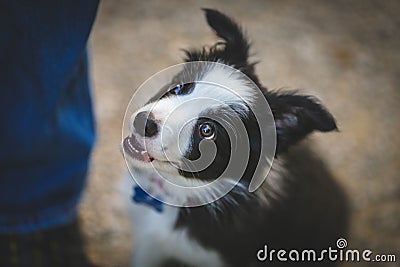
{"x": 47, "y": 128}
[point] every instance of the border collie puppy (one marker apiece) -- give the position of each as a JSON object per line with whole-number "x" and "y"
{"x": 298, "y": 206}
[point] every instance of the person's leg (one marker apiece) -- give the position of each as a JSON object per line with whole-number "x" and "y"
{"x": 47, "y": 123}
{"x": 59, "y": 246}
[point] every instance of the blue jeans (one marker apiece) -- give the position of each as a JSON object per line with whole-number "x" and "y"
{"x": 47, "y": 128}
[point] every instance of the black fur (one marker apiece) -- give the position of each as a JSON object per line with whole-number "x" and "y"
{"x": 296, "y": 116}
{"x": 234, "y": 50}
{"x": 313, "y": 211}
{"x": 221, "y": 160}
{"x": 312, "y": 214}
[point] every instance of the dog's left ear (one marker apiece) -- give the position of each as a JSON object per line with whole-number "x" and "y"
{"x": 233, "y": 50}
{"x": 236, "y": 49}
{"x": 296, "y": 116}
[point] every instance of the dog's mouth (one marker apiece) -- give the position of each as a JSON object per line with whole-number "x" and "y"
{"x": 135, "y": 150}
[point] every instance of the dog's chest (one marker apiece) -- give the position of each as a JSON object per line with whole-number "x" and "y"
{"x": 156, "y": 240}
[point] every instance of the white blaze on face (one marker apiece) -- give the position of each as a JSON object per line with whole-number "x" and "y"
{"x": 176, "y": 115}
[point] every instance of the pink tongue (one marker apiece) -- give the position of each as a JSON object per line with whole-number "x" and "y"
{"x": 134, "y": 150}
{"x": 146, "y": 157}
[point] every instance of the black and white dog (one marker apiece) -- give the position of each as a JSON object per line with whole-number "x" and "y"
{"x": 298, "y": 206}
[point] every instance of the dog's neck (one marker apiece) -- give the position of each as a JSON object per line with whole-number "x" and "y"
{"x": 163, "y": 186}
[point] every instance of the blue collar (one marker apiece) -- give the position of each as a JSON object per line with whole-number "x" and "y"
{"x": 142, "y": 197}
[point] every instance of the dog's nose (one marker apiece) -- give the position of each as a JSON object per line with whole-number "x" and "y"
{"x": 144, "y": 124}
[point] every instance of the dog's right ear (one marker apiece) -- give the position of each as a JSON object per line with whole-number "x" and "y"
{"x": 234, "y": 50}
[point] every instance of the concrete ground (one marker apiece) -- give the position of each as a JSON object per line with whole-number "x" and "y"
{"x": 344, "y": 52}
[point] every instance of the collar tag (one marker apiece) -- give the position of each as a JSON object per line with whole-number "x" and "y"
{"x": 141, "y": 197}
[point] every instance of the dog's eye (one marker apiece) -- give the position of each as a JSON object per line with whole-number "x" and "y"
{"x": 181, "y": 89}
{"x": 207, "y": 131}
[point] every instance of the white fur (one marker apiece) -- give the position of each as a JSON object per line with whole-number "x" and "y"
{"x": 239, "y": 90}
{"x": 219, "y": 86}
{"x": 155, "y": 236}
{"x": 156, "y": 239}
{"x": 173, "y": 189}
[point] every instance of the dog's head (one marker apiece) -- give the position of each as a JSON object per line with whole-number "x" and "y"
{"x": 167, "y": 132}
